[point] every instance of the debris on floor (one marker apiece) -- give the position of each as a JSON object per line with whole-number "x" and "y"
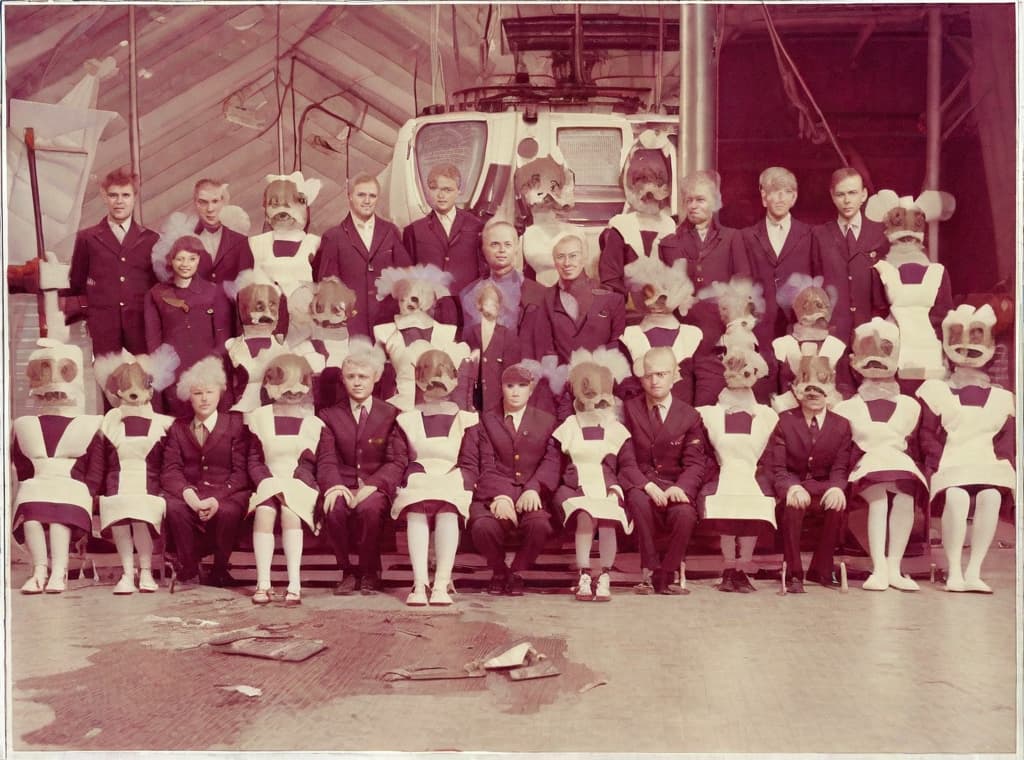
{"x": 241, "y": 688}
{"x": 286, "y": 648}
{"x": 185, "y": 622}
{"x": 592, "y": 685}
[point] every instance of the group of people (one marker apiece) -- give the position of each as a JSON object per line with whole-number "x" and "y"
{"x": 680, "y": 373}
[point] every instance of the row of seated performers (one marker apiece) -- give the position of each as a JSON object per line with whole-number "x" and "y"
{"x": 654, "y": 463}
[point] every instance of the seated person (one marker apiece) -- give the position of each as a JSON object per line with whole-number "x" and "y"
{"x": 810, "y": 462}
{"x": 668, "y": 440}
{"x": 439, "y": 482}
{"x": 204, "y": 476}
{"x": 519, "y": 468}
{"x": 360, "y": 461}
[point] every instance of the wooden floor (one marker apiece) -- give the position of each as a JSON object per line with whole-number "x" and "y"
{"x": 861, "y": 672}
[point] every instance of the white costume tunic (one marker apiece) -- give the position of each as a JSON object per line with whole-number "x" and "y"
{"x": 289, "y": 272}
{"x": 252, "y": 355}
{"x": 405, "y": 339}
{"x": 787, "y": 350}
{"x": 968, "y": 457}
{"x": 587, "y": 446}
{"x": 441, "y": 479}
{"x": 880, "y": 429}
{"x": 628, "y": 226}
{"x": 737, "y": 495}
{"x": 910, "y": 303}
{"x": 49, "y": 493}
{"x": 286, "y": 441}
{"x": 133, "y": 437}
{"x": 641, "y": 338}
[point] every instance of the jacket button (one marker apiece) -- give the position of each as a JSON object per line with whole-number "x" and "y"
{"x": 122, "y": 278}
{"x": 519, "y": 475}
{"x": 123, "y": 259}
{"x": 515, "y": 457}
{"x": 121, "y": 304}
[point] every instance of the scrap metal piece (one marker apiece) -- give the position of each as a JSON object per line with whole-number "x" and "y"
{"x": 541, "y": 669}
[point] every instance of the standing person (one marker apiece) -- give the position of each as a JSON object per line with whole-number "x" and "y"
{"x": 668, "y": 439}
{"x": 357, "y": 250}
{"x": 810, "y": 454}
{"x": 361, "y": 459}
{"x": 576, "y": 312}
{"x": 712, "y": 253}
{"x": 186, "y": 312}
{"x": 111, "y": 265}
{"x": 204, "y": 476}
{"x": 778, "y": 246}
{"x": 447, "y": 237}
{"x": 845, "y": 251}
{"x": 228, "y": 248}
{"x": 519, "y": 469}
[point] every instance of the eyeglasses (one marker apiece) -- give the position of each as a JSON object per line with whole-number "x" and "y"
{"x": 569, "y": 256}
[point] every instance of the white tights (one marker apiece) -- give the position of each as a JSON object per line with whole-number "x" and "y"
{"x": 263, "y": 545}
{"x": 60, "y": 543}
{"x": 896, "y": 524}
{"x": 745, "y": 562}
{"x": 954, "y": 533}
{"x": 131, "y": 538}
{"x": 446, "y": 544}
{"x": 607, "y": 542}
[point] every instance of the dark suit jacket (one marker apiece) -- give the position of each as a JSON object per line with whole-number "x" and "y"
{"x": 459, "y": 254}
{"x": 817, "y": 467}
{"x": 218, "y": 468}
{"x": 850, "y": 273}
{"x": 378, "y": 456}
{"x": 503, "y": 351}
{"x": 670, "y": 455}
{"x": 772, "y": 271}
{"x": 342, "y": 254}
{"x": 556, "y": 333}
{"x": 115, "y": 278}
{"x": 233, "y": 256}
{"x": 509, "y": 465}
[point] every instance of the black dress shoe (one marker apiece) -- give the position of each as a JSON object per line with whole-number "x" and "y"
{"x": 742, "y": 582}
{"x": 829, "y": 582}
{"x": 369, "y": 583}
{"x": 219, "y": 577}
{"x": 795, "y": 586}
{"x": 659, "y": 581}
{"x": 497, "y": 585}
{"x": 346, "y": 587}
{"x": 728, "y": 583}
{"x": 515, "y": 585}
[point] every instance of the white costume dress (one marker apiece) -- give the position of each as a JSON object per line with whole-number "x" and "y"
{"x": 880, "y": 429}
{"x": 252, "y": 355}
{"x": 641, "y": 338}
{"x": 586, "y": 447}
{"x": 289, "y": 444}
{"x": 969, "y": 457}
{"x": 133, "y": 437}
{"x": 421, "y": 333}
{"x": 49, "y": 493}
{"x": 910, "y": 304}
{"x": 737, "y": 494}
{"x": 289, "y": 272}
{"x": 627, "y": 225}
{"x": 438, "y": 455}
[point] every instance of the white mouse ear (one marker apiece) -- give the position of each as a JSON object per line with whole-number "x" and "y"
{"x": 936, "y": 205}
{"x": 879, "y": 205}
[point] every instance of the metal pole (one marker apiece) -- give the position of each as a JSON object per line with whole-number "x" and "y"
{"x": 37, "y": 215}
{"x": 134, "y": 143}
{"x": 577, "y": 45}
{"x": 277, "y": 94}
{"x": 934, "y": 119}
{"x": 697, "y": 107}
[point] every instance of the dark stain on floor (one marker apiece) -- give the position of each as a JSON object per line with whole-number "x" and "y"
{"x": 141, "y": 697}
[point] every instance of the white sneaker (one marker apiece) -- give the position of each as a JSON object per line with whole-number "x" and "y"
{"x": 604, "y": 588}
{"x": 584, "y": 591}
{"x": 147, "y": 584}
{"x": 126, "y": 585}
{"x": 439, "y": 592}
{"x": 417, "y": 597}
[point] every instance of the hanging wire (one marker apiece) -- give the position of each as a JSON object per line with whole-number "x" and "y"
{"x": 785, "y": 62}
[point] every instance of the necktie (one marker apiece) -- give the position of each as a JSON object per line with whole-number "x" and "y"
{"x": 815, "y": 429}
{"x": 363, "y": 414}
{"x": 851, "y": 240}
{"x": 200, "y": 431}
{"x": 510, "y": 424}
{"x": 656, "y": 415}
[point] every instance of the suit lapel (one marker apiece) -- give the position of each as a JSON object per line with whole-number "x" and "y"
{"x": 803, "y": 432}
{"x": 761, "y": 236}
{"x": 354, "y": 238}
{"x": 438, "y": 229}
{"x": 457, "y": 225}
{"x": 105, "y": 236}
{"x": 132, "y": 236}
{"x": 379, "y": 233}
{"x": 796, "y": 234}
{"x": 218, "y": 431}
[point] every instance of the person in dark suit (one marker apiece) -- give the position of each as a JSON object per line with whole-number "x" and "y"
{"x": 845, "y": 250}
{"x": 111, "y": 265}
{"x": 519, "y": 465}
{"x": 204, "y": 476}
{"x": 229, "y": 249}
{"x": 576, "y": 313}
{"x": 447, "y": 237}
{"x": 668, "y": 440}
{"x": 361, "y": 458}
{"x": 810, "y": 455}
{"x": 713, "y": 253}
{"x": 357, "y": 250}
{"x": 778, "y": 246}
